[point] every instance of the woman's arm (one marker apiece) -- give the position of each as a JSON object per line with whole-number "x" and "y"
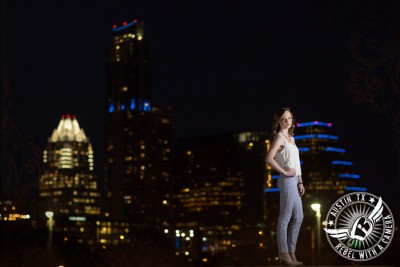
{"x": 300, "y": 184}
{"x": 276, "y": 144}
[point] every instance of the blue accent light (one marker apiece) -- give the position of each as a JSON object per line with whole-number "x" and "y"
{"x": 177, "y": 245}
{"x": 304, "y": 149}
{"x": 204, "y": 248}
{"x": 335, "y": 149}
{"x": 355, "y": 188}
{"x": 274, "y": 177}
{"x": 348, "y": 175}
{"x": 301, "y": 162}
{"x": 328, "y": 136}
{"x": 111, "y": 107}
{"x": 341, "y": 162}
{"x": 133, "y": 104}
{"x": 122, "y": 106}
{"x": 272, "y": 189}
{"x": 306, "y": 136}
{"x": 322, "y": 136}
{"x": 124, "y": 27}
{"x": 312, "y": 123}
{"x": 146, "y": 106}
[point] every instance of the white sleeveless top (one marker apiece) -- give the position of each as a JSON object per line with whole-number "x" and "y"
{"x": 288, "y": 157}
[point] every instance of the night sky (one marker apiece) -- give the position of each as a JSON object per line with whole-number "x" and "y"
{"x": 223, "y": 66}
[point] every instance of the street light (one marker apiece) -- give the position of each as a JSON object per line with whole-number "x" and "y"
{"x": 50, "y": 223}
{"x": 317, "y": 208}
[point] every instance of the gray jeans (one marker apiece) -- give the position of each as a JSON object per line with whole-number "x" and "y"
{"x": 290, "y": 214}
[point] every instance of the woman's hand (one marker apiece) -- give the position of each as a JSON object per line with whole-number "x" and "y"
{"x": 290, "y": 172}
{"x": 301, "y": 188}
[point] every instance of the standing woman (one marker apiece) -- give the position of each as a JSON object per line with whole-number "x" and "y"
{"x": 283, "y": 157}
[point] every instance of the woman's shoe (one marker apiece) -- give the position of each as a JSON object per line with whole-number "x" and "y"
{"x": 286, "y": 262}
{"x": 298, "y": 263}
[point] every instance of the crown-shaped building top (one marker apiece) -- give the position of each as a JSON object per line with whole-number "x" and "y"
{"x": 68, "y": 130}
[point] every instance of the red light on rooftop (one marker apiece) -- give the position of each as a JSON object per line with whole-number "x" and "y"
{"x": 329, "y": 124}
{"x": 297, "y": 124}
{"x": 115, "y": 26}
{"x": 74, "y": 116}
{"x": 135, "y": 20}
{"x": 68, "y": 116}
{"x": 124, "y": 23}
{"x": 315, "y": 122}
{"x": 62, "y": 117}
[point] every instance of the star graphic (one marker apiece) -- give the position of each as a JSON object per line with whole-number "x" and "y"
{"x": 372, "y": 200}
{"x": 330, "y": 223}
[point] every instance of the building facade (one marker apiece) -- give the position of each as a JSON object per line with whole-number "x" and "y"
{"x": 68, "y": 184}
{"x": 325, "y": 161}
{"x": 138, "y": 135}
{"x": 218, "y": 195}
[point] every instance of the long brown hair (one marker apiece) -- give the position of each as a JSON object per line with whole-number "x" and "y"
{"x": 277, "y": 118}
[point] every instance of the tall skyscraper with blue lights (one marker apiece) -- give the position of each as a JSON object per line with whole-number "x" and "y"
{"x": 138, "y": 134}
{"x": 129, "y": 78}
{"x": 325, "y": 163}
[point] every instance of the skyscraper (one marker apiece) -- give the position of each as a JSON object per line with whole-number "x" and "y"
{"x": 138, "y": 135}
{"x": 68, "y": 184}
{"x": 325, "y": 161}
{"x": 129, "y": 78}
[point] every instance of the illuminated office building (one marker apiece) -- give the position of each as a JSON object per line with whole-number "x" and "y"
{"x": 219, "y": 193}
{"x": 129, "y": 79}
{"x": 68, "y": 184}
{"x": 138, "y": 135}
{"x": 325, "y": 162}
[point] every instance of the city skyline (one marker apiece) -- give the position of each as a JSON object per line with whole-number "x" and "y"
{"x": 217, "y": 75}
{"x": 177, "y": 103}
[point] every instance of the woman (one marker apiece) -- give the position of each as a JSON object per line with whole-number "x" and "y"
{"x": 283, "y": 157}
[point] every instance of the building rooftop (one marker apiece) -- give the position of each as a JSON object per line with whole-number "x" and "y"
{"x": 68, "y": 130}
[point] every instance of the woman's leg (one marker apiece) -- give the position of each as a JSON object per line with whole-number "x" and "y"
{"x": 286, "y": 203}
{"x": 295, "y": 223}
